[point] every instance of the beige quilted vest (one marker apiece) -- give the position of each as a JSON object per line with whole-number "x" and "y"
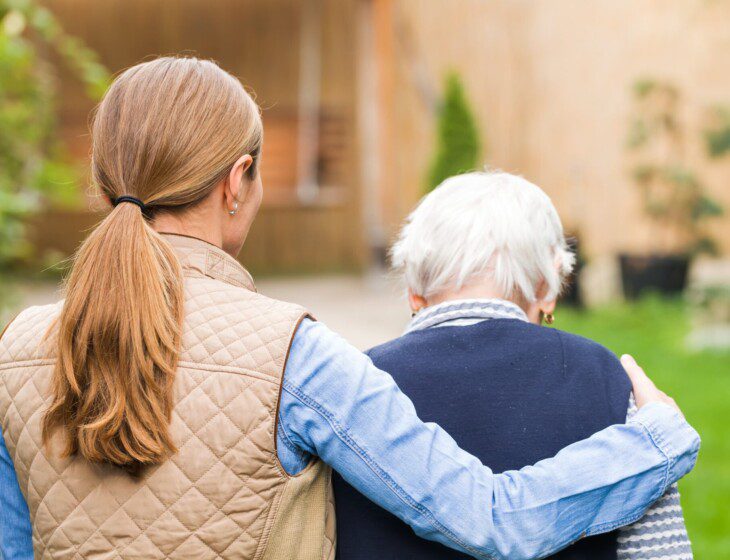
{"x": 224, "y": 494}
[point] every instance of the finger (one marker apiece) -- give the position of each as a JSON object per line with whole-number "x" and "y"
{"x": 634, "y": 371}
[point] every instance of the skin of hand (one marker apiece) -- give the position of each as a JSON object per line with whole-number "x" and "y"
{"x": 645, "y": 391}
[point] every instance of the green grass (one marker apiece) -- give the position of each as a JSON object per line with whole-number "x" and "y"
{"x": 654, "y": 331}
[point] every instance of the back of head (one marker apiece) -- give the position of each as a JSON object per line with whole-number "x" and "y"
{"x": 166, "y": 132}
{"x": 484, "y": 224}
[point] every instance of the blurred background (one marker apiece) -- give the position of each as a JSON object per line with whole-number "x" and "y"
{"x": 619, "y": 110}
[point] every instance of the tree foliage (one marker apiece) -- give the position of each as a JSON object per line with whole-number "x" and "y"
{"x": 458, "y": 144}
{"x": 33, "y": 168}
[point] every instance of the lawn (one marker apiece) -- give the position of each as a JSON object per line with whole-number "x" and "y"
{"x": 654, "y": 332}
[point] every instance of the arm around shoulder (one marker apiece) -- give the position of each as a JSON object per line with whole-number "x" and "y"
{"x": 338, "y": 406}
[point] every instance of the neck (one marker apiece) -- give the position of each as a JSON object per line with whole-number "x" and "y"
{"x": 485, "y": 291}
{"x": 467, "y": 292}
{"x": 189, "y": 226}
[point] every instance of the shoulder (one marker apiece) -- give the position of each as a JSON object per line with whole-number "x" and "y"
{"x": 586, "y": 357}
{"x": 572, "y": 345}
{"x": 412, "y": 351}
{"x": 203, "y": 292}
{"x": 582, "y": 348}
{"x": 392, "y": 346}
{"x": 23, "y": 338}
{"x": 321, "y": 363}
{"x": 315, "y": 343}
{"x": 230, "y": 326}
{"x": 585, "y": 362}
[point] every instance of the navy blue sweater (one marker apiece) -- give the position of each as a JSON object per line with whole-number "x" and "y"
{"x": 509, "y": 392}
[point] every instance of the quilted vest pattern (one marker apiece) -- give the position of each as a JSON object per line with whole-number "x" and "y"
{"x": 224, "y": 494}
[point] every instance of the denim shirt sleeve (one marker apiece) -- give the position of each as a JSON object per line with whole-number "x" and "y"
{"x": 15, "y": 530}
{"x": 338, "y": 406}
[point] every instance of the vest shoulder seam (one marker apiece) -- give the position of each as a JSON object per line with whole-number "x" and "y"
{"x": 27, "y": 363}
{"x": 231, "y": 370}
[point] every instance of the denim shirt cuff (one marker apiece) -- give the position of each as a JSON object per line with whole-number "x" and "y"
{"x": 672, "y": 434}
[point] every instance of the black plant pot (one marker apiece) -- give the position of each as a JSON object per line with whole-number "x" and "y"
{"x": 665, "y": 274}
{"x": 571, "y": 294}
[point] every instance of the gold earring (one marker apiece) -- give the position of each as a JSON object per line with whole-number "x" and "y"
{"x": 549, "y": 318}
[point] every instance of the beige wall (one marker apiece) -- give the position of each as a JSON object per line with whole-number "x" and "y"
{"x": 550, "y": 83}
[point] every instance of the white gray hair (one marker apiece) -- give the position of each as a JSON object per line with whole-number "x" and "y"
{"x": 484, "y": 224}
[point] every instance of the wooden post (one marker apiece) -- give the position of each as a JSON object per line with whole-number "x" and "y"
{"x": 376, "y": 82}
{"x": 310, "y": 76}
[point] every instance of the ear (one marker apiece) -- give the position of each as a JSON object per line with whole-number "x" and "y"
{"x": 548, "y": 306}
{"x": 416, "y": 302}
{"x": 542, "y": 304}
{"x": 235, "y": 187}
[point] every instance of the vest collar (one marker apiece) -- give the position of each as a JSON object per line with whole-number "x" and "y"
{"x": 209, "y": 260}
{"x": 463, "y": 312}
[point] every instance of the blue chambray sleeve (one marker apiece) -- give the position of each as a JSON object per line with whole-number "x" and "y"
{"x": 15, "y": 530}
{"x": 338, "y": 406}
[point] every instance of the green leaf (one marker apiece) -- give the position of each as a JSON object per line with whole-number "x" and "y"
{"x": 643, "y": 87}
{"x": 638, "y": 134}
{"x": 706, "y": 207}
{"x": 458, "y": 144}
{"x": 34, "y": 169}
{"x": 643, "y": 173}
{"x": 681, "y": 177}
{"x": 704, "y": 245}
{"x": 717, "y": 138}
{"x": 46, "y": 24}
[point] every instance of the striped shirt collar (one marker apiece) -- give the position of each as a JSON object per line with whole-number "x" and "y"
{"x": 463, "y": 312}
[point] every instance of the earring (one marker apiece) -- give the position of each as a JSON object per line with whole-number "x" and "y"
{"x": 235, "y": 208}
{"x": 549, "y": 318}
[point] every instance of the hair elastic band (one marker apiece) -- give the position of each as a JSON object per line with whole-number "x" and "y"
{"x": 131, "y": 199}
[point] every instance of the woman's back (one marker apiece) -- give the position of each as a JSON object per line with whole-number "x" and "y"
{"x": 215, "y": 496}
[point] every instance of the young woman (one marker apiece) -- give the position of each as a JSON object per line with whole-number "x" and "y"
{"x": 167, "y": 410}
{"x": 484, "y": 259}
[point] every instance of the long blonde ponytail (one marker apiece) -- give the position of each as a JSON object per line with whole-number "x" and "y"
{"x": 166, "y": 133}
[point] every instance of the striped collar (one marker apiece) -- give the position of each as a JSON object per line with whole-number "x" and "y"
{"x": 463, "y": 312}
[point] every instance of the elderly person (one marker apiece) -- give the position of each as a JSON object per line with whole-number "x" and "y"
{"x": 484, "y": 259}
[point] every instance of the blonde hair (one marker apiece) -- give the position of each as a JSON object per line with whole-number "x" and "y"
{"x": 166, "y": 132}
{"x": 484, "y": 224}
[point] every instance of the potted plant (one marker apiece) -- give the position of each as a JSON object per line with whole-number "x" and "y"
{"x": 571, "y": 295}
{"x": 674, "y": 198}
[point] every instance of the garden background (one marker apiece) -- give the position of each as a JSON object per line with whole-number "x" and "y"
{"x": 619, "y": 110}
